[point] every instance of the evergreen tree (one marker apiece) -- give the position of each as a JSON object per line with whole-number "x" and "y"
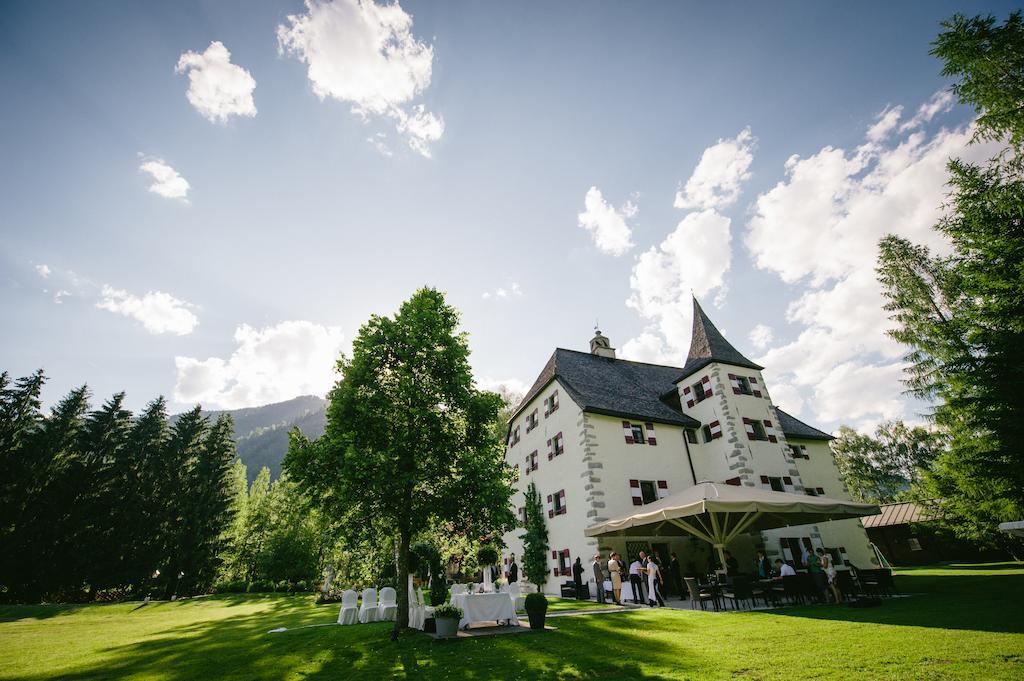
{"x": 962, "y": 315}
{"x": 147, "y": 495}
{"x": 535, "y": 539}
{"x": 96, "y": 548}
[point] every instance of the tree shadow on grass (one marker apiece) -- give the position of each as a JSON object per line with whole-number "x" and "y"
{"x": 972, "y": 602}
{"x": 239, "y": 647}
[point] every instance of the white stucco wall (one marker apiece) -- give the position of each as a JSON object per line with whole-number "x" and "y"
{"x": 597, "y": 465}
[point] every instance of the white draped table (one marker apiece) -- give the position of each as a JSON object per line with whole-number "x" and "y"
{"x": 487, "y": 608}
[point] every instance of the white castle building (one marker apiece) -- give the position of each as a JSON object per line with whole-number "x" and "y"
{"x": 600, "y": 436}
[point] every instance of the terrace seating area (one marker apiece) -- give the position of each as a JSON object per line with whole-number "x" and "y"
{"x": 859, "y": 587}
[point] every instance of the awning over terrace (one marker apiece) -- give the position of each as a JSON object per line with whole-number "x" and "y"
{"x": 718, "y": 513}
{"x": 1015, "y": 528}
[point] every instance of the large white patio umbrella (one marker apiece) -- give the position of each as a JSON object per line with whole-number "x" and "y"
{"x": 718, "y": 513}
{"x": 1015, "y": 528}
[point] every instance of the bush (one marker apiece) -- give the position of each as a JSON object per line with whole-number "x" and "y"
{"x": 333, "y": 597}
{"x": 447, "y": 610}
{"x": 260, "y": 586}
{"x": 282, "y": 587}
{"x": 301, "y": 586}
{"x": 438, "y": 591}
{"x": 231, "y": 587}
{"x": 536, "y": 602}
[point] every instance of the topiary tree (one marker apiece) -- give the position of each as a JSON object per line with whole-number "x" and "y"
{"x": 535, "y": 539}
{"x": 487, "y": 555}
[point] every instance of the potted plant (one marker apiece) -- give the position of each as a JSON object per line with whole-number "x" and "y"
{"x": 446, "y": 619}
{"x": 536, "y": 609}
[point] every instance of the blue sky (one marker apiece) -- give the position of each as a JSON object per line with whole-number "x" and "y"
{"x": 462, "y": 158}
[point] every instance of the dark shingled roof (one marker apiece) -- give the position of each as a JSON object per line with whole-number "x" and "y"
{"x": 708, "y": 345}
{"x": 793, "y": 427}
{"x": 614, "y": 387}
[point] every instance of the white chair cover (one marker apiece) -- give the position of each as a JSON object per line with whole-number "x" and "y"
{"x": 349, "y": 613}
{"x": 458, "y": 589}
{"x": 416, "y": 614}
{"x": 388, "y": 604}
{"x": 518, "y": 599}
{"x": 488, "y": 585}
{"x": 369, "y": 611}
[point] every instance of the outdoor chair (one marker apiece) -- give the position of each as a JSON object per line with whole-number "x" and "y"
{"x": 518, "y": 599}
{"x": 739, "y": 591}
{"x": 792, "y": 589}
{"x": 368, "y": 611}
{"x": 809, "y": 588}
{"x": 849, "y": 588}
{"x": 349, "y": 613}
{"x": 698, "y": 595}
{"x": 388, "y": 604}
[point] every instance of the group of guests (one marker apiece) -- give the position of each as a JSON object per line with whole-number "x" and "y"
{"x": 819, "y": 564}
{"x": 646, "y": 578}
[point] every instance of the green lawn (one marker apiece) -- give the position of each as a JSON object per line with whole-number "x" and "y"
{"x": 966, "y": 623}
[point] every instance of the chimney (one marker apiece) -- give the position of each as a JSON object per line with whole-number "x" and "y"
{"x": 601, "y": 346}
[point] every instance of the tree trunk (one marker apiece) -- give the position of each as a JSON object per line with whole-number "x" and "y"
{"x": 402, "y": 616}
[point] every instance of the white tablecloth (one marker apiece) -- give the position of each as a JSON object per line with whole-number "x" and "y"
{"x": 487, "y": 608}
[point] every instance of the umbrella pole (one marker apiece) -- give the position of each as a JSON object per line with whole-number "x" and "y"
{"x": 721, "y": 554}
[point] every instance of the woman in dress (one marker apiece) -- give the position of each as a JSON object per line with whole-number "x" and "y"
{"x": 615, "y": 570}
{"x": 825, "y": 562}
{"x": 654, "y": 583}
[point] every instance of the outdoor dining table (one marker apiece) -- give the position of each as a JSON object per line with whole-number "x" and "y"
{"x": 490, "y": 607}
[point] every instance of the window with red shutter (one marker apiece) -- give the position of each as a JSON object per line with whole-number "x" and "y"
{"x": 651, "y": 440}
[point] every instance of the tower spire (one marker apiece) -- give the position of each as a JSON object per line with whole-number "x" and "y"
{"x": 708, "y": 344}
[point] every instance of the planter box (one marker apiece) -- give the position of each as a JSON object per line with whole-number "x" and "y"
{"x": 537, "y": 618}
{"x": 447, "y": 627}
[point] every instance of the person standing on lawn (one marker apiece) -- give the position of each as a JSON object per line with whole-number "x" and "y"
{"x": 577, "y": 577}
{"x": 513, "y": 569}
{"x": 653, "y": 579}
{"x": 676, "y": 575}
{"x": 599, "y": 578}
{"x": 615, "y": 570}
{"x": 636, "y": 580}
{"x": 830, "y": 575}
{"x": 818, "y": 575}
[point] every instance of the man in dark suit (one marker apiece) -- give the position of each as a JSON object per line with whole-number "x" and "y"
{"x": 513, "y": 569}
{"x": 676, "y": 575}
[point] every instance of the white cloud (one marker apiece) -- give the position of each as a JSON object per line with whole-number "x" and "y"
{"x": 606, "y": 224}
{"x": 217, "y": 88}
{"x": 820, "y": 228}
{"x": 43, "y": 271}
{"x": 379, "y": 142}
{"x": 885, "y": 123}
{"x": 761, "y": 336}
{"x": 60, "y": 295}
{"x": 717, "y": 180}
{"x": 512, "y": 291}
{"x": 365, "y": 54}
{"x": 166, "y": 180}
{"x": 940, "y": 102}
{"x": 158, "y": 312}
{"x": 271, "y": 364}
{"x": 512, "y": 386}
{"x": 693, "y": 258}
{"x": 649, "y": 346}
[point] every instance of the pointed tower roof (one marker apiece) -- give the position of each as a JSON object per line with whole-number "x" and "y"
{"x": 708, "y": 345}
